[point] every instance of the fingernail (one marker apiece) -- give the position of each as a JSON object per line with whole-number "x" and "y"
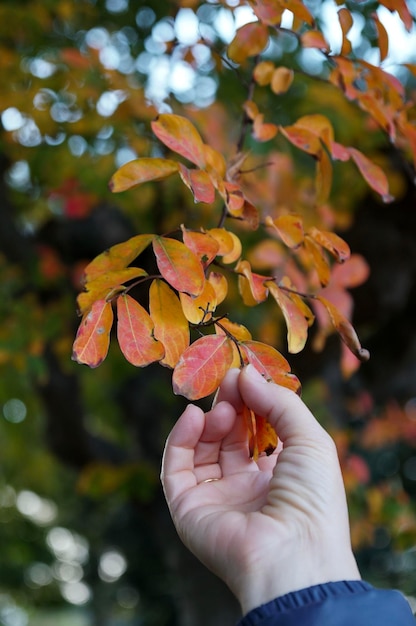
{"x": 254, "y": 374}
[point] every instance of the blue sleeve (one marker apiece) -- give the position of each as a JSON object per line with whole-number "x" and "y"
{"x": 344, "y": 603}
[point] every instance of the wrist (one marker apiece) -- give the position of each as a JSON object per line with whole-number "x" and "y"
{"x": 293, "y": 569}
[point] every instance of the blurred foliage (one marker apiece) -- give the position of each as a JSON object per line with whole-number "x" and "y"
{"x": 82, "y": 520}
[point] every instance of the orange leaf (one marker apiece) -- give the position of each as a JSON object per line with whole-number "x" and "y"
{"x": 372, "y": 174}
{"x": 298, "y": 9}
{"x": 268, "y": 11}
{"x": 199, "y": 183}
{"x": 202, "y": 244}
{"x": 345, "y": 329}
{"x": 171, "y": 326}
{"x": 249, "y": 40}
{"x": 314, "y": 39}
{"x": 262, "y": 131}
{"x": 331, "y": 242}
{"x": 402, "y": 9}
{"x": 251, "y": 109}
{"x": 270, "y": 363}
{"x": 297, "y": 324}
{"x": 102, "y": 286}
{"x": 93, "y": 336}
{"x": 262, "y": 436}
{"x": 215, "y": 163}
{"x": 181, "y": 136}
{"x": 323, "y": 177}
{"x": 346, "y": 23}
{"x": 319, "y": 260}
{"x": 250, "y": 216}
{"x": 319, "y": 125}
{"x": 251, "y": 286}
{"x": 383, "y": 38}
{"x": 135, "y": 333}
{"x": 202, "y": 367}
{"x": 263, "y": 72}
{"x": 200, "y": 308}
{"x": 140, "y": 171}
{"x": 179, "y": 266}
{"x": 117, "y": 257}
{"x": 233, "y": 197}
{"x": 288, "y": 227}
{"x": 302, "y": 138}
{"x": 281, "y": 80}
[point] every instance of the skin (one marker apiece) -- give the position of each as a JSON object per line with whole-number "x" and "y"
{"x": 265, "y": 528}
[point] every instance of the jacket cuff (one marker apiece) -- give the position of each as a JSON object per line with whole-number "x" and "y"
{"x": 335, "y": 603}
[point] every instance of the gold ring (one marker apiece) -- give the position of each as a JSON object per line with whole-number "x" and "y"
{"x": 210, "y": 480}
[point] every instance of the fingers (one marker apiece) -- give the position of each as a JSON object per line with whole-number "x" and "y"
{"x": 285, "y": 411}
{"x": 229, "y": 390}
{"x": 192, "y": 449}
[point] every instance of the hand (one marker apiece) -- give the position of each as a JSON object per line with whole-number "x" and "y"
{"x": 265, "y": 528}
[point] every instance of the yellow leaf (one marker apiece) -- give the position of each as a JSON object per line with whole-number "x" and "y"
{"x": 140, "y": 171}
{"x": 220, "y": 285}
{"x": 281, "y": 80}
{"x": 289, "y": 229}
{"x": 200, "y": 308}
{"x": 297, "y": 324}
{"x": 263, "y": 72}
{"x": 181, "y": 136}
{"x": 171, "y": 327}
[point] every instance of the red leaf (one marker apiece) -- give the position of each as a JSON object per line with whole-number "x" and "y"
{"x": 181, "y": 136}
{"x": 180, "y": 267}
{"x": 354, "y": 272}
{"x": 202, "y": 367}
{"x": 199, "y": 183}
{"x": 314, "y": 39}
{"x": 250, "y": 40}
{"x": 202, "y": 244}
{"x": 383, "y": 38}
{"x": 135, "y": 333}
{"x": 372, "y": 173}
{"x": 141, "y": 171}
{"x": 93, "y": 336}
{"x": 270, "y": 363}
{"x": 345, "y": 329}
{"x": 251, "y": 286}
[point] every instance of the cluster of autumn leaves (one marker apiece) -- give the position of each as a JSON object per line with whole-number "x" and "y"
{"x": 182, "y": 329}
{"x": 191, "y": 283}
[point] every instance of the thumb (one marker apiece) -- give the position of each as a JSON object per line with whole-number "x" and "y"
{"x": 281, "y": 407}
